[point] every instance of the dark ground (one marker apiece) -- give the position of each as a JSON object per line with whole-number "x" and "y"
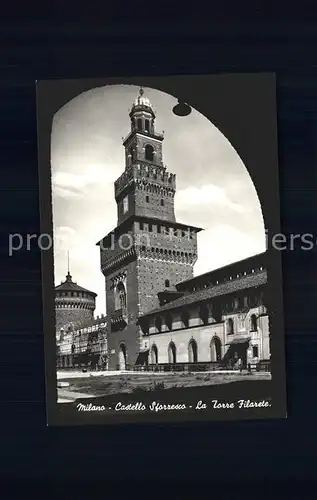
{"x": 190, "y": 396}
{"x": 105, "y": 385}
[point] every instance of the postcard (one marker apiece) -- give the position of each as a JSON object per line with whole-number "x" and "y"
{"x": 160, "y": 223}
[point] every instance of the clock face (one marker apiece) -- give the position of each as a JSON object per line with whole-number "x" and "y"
{"x": 125, "y": 241}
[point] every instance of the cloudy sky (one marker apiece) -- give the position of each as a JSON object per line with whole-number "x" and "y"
{"x": 214, "y": 189}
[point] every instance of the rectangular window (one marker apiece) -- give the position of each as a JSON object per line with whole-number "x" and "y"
{"x": 125, "y": 204}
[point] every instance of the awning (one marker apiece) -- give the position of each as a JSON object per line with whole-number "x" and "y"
{"x": 142, "y": 357}
{"x": 242, "y": 340}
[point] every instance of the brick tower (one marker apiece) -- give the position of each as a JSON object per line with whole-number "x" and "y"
{"x": 73, "y": 303}
{"x": 148, "y": 251}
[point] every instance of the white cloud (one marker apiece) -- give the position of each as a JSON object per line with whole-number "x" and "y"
{"x": 209, "y": 194}
{"x": 224, "y": 244}
{"x": 77, "y": 185}
{"x": 64, "y": 237}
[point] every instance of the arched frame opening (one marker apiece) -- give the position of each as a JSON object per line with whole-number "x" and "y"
{"x": 149, "y": 152}
{"x": 196, "y": 101}
{"x": 215, "y": 349}
{"x": 192, "y": 351}
{"x": 122, "y": 356}
{"x": 154, "y": 355}
{"x": 120, "y": 296}
{"x": 253, "y": 323}
{"x": 172, "y": 353}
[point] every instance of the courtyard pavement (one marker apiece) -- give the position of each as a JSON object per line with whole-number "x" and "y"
{"x": 63, "y": 375}
{"x": 66, "y": 396}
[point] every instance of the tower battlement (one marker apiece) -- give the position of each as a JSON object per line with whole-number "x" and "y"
{"x": 145, "y": 174}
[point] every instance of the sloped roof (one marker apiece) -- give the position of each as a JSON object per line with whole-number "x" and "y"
{"x": 70, "y": 286}
{"x": 244, "y": 282}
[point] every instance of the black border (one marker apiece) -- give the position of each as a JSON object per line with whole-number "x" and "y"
{"x": 243, "y": 108}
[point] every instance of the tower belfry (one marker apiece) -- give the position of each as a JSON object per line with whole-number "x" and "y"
{"x": 145, "y": 187}
{"x": 148, "y": 250}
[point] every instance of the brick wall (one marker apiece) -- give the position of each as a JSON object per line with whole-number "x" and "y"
{"x": 67, "y": 315}
{"x": 130, "y": 335}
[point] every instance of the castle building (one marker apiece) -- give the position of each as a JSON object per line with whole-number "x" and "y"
{"x": 158, "y": 313}
{"x": 80, "y": 337}
{"x": 159, "y": 316}
{"x": 215, "y": 318}
{"x": 148, "y": 250}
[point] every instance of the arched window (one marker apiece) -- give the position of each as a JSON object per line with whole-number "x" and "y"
{"x": 158, "y": 323}
{"x": 172, "y": 353}
{"x": 254, "y": 323}
{"x": 125, "y": 204}
{"x": 185, "y": 318}
{"x": 167, "y": 283}
{"x": 162, "y": 203}
{"x": 192, "y": 351}
{"x": 147, "y": 199}
{"x": 149, "y": 152}
{"x": 147, "y": 126}
{"x": 154, "y": 355}
{"x": 255, "y": 351}
{"x": 132, "y": 153}
{"x": 169, "y": 321}
{"x": 122, "y": 357}
{"x": 203, "y": 313}
{"x": 215, "y": 349}
{"x": 230, "y": 329}
{"x": 121, "y": 297}
{"x": 139, "y": 124}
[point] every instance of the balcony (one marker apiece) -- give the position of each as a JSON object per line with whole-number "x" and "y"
{"x": 119, "y": 319}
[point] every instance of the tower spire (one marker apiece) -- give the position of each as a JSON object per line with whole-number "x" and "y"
{"x": 68, "y": 276}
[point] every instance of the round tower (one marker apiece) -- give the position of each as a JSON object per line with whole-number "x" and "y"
{"x": 73, "y": 303}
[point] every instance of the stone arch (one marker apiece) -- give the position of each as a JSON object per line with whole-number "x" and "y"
{"x": 120, "y": 296}
{"x": 154, "y": 355}
{"x": 172, "y": 353}
{"x": 122, "y": 356}
{"x": 192, "y": 351}
{"x": 149, "y": 152}
{"x": 253, "y": 322}
{"x": 215, "y": 349}
{"x": 230, "y": 326}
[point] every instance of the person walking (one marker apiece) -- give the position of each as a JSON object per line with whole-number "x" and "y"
{"x": 240, "y": 364}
